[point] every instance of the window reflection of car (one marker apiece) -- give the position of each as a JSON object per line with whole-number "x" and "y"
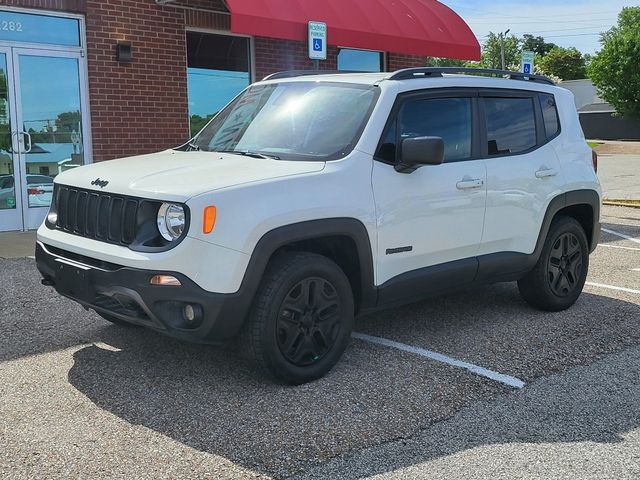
{"x": 39, "y": 189}
{"x": 6, "y": 190}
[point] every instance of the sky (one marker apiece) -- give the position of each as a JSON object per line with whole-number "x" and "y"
{"x": 568, "y": 23}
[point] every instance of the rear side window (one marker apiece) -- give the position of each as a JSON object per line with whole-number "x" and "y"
{"x": 550, "y": 115}
{"x": 448, "y": 118}
{"x": 511, "y": 125}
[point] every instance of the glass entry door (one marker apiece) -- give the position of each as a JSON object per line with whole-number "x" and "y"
{"x": 45, "y": 124}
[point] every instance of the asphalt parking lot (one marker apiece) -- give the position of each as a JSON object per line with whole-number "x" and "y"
{"x": 80, "y": 398}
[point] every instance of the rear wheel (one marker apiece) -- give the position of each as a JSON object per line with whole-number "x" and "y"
{"x": 302, "y": 318}
{"x": 558, "y": 278}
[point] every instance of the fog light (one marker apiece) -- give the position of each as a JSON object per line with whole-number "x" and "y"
{"x": 189, "y": 313}
{"x": 165, "y": 280}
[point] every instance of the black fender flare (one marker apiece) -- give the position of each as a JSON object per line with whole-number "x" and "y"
{"x": 238, "y": 305}
{"x": 569, "y": 199}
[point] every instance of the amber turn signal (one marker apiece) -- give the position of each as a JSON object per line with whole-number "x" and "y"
{"x": 165, "y": 280}
{"x": 210, "y": 214}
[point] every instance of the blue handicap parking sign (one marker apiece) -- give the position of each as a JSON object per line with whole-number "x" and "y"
{"x": 317, "y": 45}
{"x": 527, "y": 68}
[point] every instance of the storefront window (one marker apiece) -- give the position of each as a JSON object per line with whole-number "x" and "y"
{"x": 360, "y": 60}
{"x": 218, "y": 70}
{"x": 32, "y": 28}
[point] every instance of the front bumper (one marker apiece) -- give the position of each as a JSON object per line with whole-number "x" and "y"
{"x": 126, "y": 293}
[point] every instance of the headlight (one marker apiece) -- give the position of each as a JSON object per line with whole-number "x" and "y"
{"x": 171, "y": 221}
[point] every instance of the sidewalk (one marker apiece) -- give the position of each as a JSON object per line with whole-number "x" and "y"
{"x": 620, "y": 176}
{"x": 17, "y": 244}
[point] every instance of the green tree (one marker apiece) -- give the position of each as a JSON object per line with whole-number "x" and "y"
{"x": 68, "y": 121}
{"x": 445, "y": 62}
{"x": 198, "y": 123}
{"x": 565, "y": 63}
{"x": 537, "y": 45}
{"x": 491, "y": 51}
{"x": 614, "y": 70}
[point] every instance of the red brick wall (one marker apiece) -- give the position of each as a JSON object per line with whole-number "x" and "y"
{"x": 398, "y": 61}
{"x": 136, "y": 107}
{"x": 77, "y": 6}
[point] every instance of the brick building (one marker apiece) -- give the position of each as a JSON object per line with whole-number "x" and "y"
{"x": 86, "y": 81}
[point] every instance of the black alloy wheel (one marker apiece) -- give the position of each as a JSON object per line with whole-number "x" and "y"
{"x": 301, "y": 320}
{"x": 565, "y": 265}
{"x": 557, "y": 280}
{"x": 309, "y": 321}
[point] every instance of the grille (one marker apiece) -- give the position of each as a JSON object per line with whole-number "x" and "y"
{"x": 100, "y": 216}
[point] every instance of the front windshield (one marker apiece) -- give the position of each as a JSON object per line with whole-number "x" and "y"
{"x": 292, "y": 121}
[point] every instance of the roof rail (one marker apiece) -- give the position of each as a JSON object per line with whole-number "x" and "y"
{"x": 303, "y": 73}
{"x": 423, "y": 72}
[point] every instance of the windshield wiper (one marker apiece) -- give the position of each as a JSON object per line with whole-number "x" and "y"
{"x": 248, "y": 153}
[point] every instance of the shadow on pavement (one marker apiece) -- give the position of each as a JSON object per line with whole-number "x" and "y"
{"x": 209, "y": 400}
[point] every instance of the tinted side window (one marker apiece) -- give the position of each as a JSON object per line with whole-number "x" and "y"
{"x": 448, "y": 118}
{"x": 511, "y": 125}
{"x": 550, "y": 114}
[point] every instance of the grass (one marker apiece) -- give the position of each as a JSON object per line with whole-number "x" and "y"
{"x": 594, "y": 144}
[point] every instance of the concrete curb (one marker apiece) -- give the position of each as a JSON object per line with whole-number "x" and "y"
{"x": 621, "y": 203}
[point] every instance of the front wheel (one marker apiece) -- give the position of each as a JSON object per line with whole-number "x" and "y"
{"x": 302, "y": 318}
{"x": 558, "y": 278}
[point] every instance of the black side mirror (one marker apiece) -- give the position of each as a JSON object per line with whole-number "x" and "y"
{"x": 419, "y": 151}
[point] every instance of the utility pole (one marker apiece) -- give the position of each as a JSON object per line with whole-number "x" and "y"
{"x": 502, "y": 35}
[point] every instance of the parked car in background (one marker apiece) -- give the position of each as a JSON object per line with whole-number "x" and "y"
{"x": 39, "y": 191}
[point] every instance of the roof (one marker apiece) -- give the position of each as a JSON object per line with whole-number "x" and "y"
{"x": 50, "y": 152}
{"x": 418, "y": 27}
{"x": 415, "y": 79}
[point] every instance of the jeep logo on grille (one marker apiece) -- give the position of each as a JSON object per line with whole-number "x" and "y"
{"x": 100, "y": 183}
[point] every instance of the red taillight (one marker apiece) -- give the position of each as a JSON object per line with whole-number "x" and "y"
{"x": 35, "y": 191}
{"x": 594, "y": 159}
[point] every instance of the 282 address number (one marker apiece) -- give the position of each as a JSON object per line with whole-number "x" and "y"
{"x": 7, "y": 26}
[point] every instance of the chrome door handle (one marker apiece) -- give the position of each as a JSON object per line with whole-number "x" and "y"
{"x": 469, "y": 184}
{"x": 546, "y": 173}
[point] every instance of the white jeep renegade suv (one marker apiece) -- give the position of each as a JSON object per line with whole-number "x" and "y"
{"x": 311, "y": 199}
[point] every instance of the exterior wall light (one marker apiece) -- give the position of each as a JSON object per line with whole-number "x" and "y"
{"x": 124, "y": 52}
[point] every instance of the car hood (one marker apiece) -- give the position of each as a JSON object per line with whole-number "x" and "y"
{"x": 178, "y": 176}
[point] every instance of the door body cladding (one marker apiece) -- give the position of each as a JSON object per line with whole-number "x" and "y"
{"x": 426, "y": 282}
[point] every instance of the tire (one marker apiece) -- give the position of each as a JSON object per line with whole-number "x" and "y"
{"x": 558, "y": 278}
{"x": 116, "y": 321}
{"x": 301, "y": 319}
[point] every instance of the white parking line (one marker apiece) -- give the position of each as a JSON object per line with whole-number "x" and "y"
{"x": 612, "y": 287}
{"x": 617, "y": 246}
{"x": 438, "y": 357}
{"x": 621, "y": 235}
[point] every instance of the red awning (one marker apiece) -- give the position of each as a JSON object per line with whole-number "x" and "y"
{"x": 418, "y": 27}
